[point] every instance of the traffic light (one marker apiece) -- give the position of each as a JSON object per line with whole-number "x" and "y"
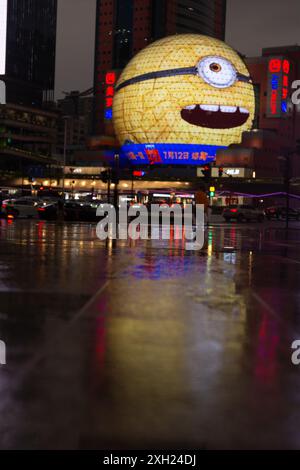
{"x": 221, "y": 171}
{"x": 105, "y": 176}
{"x": 212, "y": 191}
{"x": 111, "y": 175}
{"x": 115, "y": 176}
{"x": 206, "y": 171}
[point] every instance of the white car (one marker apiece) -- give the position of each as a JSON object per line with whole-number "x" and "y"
{"x": 22, "y": 207}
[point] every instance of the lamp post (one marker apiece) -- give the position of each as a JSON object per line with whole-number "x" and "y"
{"x": 116, "y": 181}
{"x": 65, "y": 118}
{"x": 286, "y": 158}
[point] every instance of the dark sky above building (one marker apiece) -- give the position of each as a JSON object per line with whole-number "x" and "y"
{"x": 254, "y": 24}
{"x": 251, "y": 25}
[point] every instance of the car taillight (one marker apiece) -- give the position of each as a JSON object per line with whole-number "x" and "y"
{"x": 233, "y": 210}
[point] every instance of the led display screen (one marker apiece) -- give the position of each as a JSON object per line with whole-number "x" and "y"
{"x": 3, "y": 23}
{"x": 181, "y": 99}
{"x": 169, "y": 154}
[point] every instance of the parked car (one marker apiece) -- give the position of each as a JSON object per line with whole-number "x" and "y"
{"x": 279, "y": 212}
{"x": 72, "y": 211}
{"x": 243, "y": 213}
{"x": 22, "y": 207}
{"x": 272, "y": 212}
{"x": 48, "y": 211}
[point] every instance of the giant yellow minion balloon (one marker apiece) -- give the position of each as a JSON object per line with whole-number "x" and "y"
{"x": 180, "y": 99}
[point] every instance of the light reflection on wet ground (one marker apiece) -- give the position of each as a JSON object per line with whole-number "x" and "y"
{"x": 141, "y": 344}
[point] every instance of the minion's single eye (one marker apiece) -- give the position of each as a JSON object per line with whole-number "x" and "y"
{"x": 217, "y": 71}
{"x": 215, "y": 67}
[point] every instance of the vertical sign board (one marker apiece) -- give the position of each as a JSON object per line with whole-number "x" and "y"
{"x": 3, "y": 26}
{"x": 278, "y": 87}
{"x": 110, "y": 83}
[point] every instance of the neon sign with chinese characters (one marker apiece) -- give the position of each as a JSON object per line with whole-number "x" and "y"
{"x": 110, "y": 82}
{"x": 278, "y": 87}
{"x": 170, "y": 154}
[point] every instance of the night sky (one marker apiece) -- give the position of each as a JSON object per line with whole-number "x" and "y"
{"x": 251, "y": 25}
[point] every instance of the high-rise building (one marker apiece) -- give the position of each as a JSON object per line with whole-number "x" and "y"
{"x": 124, "y": 27}
{"x": 75, "y": 123}
{"x": 27, "y": 51}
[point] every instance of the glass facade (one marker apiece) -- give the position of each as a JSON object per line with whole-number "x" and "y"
{"x": 190, "y": 16}
{"x": 123, "y": 33}
{"x": 30, "y": 55}
{"x": 159, "y": 15}
{"x": 201, "y": 16}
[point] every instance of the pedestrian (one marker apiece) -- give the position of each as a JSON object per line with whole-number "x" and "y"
{"x": 201, "y": 199}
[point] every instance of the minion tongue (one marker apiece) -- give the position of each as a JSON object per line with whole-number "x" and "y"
{"x": 215, "y": 116}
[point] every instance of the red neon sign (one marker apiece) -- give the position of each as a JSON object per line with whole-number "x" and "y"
{"x": 275, "y": 65}
{"x": 110, "y": 81}
{"x": 286, "y": 67}
{"x": 138, "y": 173}
{"x": 110, "y": 91}
{"x": 110, "y": 78}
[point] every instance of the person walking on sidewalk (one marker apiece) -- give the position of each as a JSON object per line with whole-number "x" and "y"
{"x": 201, "y": 198}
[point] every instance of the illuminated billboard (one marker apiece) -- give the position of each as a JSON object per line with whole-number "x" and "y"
{"x": 181, "y": 99}
{"x": 278, "y": 87}
{"x": 110, "y": 82}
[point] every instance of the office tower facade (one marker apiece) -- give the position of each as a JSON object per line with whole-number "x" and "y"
{"x": 27, "y": 51}
{"x": 124, "y": 27}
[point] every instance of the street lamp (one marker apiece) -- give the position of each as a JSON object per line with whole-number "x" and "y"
{"x": 287, "y": 180}
{"x": 65, "y": 118}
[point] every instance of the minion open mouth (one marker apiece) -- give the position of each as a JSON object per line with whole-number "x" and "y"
{"x": 215, "y": 116}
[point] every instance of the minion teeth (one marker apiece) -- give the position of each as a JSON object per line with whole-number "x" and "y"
{"x": 214, "y": 116}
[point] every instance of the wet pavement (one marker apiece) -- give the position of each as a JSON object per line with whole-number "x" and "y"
{"x": 142, "y": 345}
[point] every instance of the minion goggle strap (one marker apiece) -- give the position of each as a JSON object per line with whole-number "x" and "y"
{"x": 231, "y": 77}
